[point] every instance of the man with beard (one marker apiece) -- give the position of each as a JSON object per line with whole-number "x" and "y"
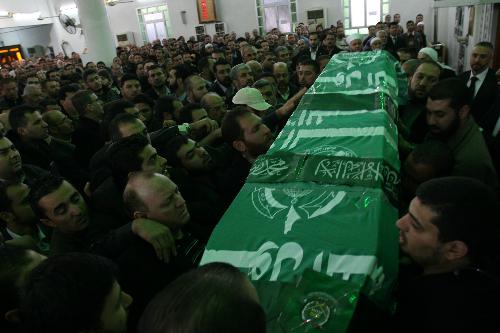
{"x": 157, "y": 81}
{"x": 308, "y": 72}
{"x": 481, "y": 81}
{"x": 222, "y": 80}
{"x": 202, "y": 167}
{"x": 214, "y": 105}
{"x": 93, "y": 83}
{"x": 241, "y": 76}
{"x": 285, "y": 90}
{"x": 176, "y": 77}
{"x": 451, "y": 232}
{"x": 196, "y": 88}
{"x": 449, "y": 120}
{"x": 249, "y": 138}
{"x": 60, "y": 125}
{"x": 413, "y": 125}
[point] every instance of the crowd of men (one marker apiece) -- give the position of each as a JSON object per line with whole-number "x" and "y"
{"x": 118, "y": 174}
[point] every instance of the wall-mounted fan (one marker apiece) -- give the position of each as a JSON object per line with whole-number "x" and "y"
{"x": 115, "y": 2}
{"x": 68, "y": 23}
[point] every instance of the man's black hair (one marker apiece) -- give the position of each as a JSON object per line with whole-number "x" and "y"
{"x": 42, "y": 186}
{"x": 111, "y": 110}
{"x": 114, "y": 126}
{"x": 17, "y": 116}
{"x": 170, "y": 149}
{"x": 153, "y": 67}
{"x": 310, "y": 62}
{"x": 123, "y": 158}
{"x": 436, "y": 154}
{"x": 87, "y": 73}
{"x": 127, "y": 77}
{"x": 212, "y": 296}
{"x": 182, "y": 71}
{"x": 467, "y": 210}
{"x": 67, "y": 293}
{"x": 453, "y": 89}
{"x": 13, "y": 262}
{"x": 164, "y": 104}
{"x": 144, "y": 99}
{"x": 68, "y": 88}
{"x": 80, "y": 100}
{"x": 393, "y": 23}
{"x": 230, "y": 127}
{"x": 186, "y": 113}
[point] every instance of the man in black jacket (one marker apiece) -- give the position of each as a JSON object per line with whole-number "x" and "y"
{"x": 481, "y": 81}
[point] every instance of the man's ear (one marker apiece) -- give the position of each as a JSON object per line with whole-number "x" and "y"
{"x": 240, "y": 146}
{"x": 140, "y": 215}
{"x": 48, "y": 223}
{"x": 455, "y": 250}
{"x": 13, "y": 316}
{"x": 464, "y": 112}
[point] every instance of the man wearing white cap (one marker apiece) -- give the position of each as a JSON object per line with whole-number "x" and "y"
{"x": 252, "y": 98}
{"x": 355, "y": 43}
{"x": 429, "y": 54}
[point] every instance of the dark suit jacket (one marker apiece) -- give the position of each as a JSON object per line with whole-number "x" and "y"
{"x": 393, "y": 47}
{"x": 485, "y": 97}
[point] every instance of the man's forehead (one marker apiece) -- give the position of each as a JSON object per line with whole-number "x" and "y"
{"x": 481, "y": 50}
{"x": 248, "y": 121}
{"x": 131, "y": 83}
{"x": 438, "y": 104}
{"x": 64, "y": 191}
{"x": 428, "y": 69}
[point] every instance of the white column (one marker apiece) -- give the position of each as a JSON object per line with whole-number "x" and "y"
{"x": 97, "y": 31}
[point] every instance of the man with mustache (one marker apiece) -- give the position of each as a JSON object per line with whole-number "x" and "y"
{"x": 222, "y": 80}
{"x": 249, "y": 138}
{"x": 412, "y": 125}
{"x": 449, "y": 120}
{"x": 481, "y": 81}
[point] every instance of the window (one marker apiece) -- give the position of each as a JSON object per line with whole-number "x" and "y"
{"x": 154, "y": 23}
{"x": 359, "y": 14}
{"x": 281, "y": 14}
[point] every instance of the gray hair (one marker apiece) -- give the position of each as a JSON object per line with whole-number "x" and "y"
{"x": 235, "y": 71}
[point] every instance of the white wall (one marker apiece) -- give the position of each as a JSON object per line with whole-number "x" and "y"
{"x": 240, "y": 16}
{"x": 28, "y": 36}
{"x": 334, "y": 10}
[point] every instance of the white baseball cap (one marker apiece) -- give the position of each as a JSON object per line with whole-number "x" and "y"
{"x": 252, "y": 98}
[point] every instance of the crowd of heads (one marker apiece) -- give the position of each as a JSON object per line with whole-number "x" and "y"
{"x": 150, "y": 150}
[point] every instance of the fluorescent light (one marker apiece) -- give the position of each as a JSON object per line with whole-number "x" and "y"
{"x": 67, "y": 7}
{"x": 4, "y": 13}
{"x": 26, "y": 16}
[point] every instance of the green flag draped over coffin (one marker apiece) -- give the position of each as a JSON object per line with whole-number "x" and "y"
{"x": 322, "y": 199}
